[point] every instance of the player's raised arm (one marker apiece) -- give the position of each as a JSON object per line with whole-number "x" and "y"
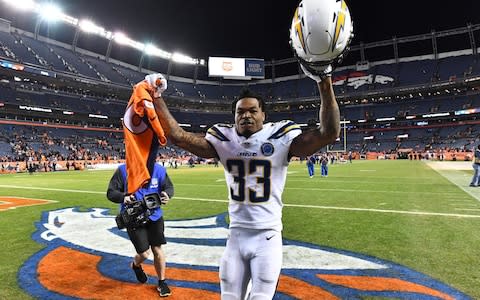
{"x": 319, "y": 43}
{"x": 193, "y": 143}
{"x": 312, "y": 140}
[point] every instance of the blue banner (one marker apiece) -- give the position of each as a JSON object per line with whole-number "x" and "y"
{"x": 255, "y": 68}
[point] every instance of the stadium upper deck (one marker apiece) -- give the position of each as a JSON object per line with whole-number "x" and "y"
{"x": 50, "y": 81}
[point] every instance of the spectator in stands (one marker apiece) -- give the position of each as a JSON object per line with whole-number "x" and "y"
{"x": 151, "y": 234}
{"x": 476, "y": 167}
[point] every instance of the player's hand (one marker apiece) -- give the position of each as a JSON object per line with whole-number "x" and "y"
{"x": 158, "y": 82}
{"x": 164, "y": 198}
{"x": 316, "y": 72}
{"x": 129, "y": 199}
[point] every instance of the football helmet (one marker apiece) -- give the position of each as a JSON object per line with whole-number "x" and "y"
{"x": 321, "y": 32}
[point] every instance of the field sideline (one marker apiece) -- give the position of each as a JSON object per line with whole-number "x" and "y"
{"x": 404, "y": 212}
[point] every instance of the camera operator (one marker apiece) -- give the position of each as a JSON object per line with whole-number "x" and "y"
{"x": 149, "y": 233}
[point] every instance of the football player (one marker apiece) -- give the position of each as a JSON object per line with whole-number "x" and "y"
{"x": 255, "y": 154}
{"x": 255, "y": 157}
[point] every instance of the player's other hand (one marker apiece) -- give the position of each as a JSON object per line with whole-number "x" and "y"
{"x": 158, "y": 82}
{"x": 164, "y": 197}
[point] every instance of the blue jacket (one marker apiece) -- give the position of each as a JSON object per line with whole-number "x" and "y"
{"x": 157, "y": 180}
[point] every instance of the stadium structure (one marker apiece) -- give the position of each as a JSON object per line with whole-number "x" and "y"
{"x": 61, "y": 100}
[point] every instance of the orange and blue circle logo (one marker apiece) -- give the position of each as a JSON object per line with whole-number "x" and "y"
{"x": 86, "y": 256}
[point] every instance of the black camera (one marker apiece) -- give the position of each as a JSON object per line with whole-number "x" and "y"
{"x": 137, "y": 213}
{"x": 152, "y": 200}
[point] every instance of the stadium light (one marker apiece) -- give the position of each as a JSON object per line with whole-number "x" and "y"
{"x": 51, "y": 13}
{"x": 90, "y": 27}
{"x": 184, "y": 59}
{"x": 122, "y": 39}
{"x": 97, "y": 116}
{"x": 22, "y": 4}
{"x": 436, "y": 115}
{"x": 70, "y": 20}
{"x": 152, "y": 50}
{"x": 385, "y": 119}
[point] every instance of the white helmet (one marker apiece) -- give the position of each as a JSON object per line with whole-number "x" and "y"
{"x": 321, "y": 31}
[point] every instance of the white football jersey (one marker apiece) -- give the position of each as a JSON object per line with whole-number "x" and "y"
{"x": 255, "y": 171}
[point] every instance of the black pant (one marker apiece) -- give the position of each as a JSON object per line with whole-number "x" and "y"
{"x": 151, "y": 234}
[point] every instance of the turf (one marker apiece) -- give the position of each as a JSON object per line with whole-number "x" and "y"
{"x": 400, "y": 211}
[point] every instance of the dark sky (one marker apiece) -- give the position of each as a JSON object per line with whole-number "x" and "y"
{"x": 256, "y": 28}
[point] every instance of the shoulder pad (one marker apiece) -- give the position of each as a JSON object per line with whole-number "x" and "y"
{"x": 216, "y": 132}
{"x": 284, "y": 127}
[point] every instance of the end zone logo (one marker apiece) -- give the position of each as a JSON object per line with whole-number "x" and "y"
{"x": 7, "y": 203}
{"x": 86, "y": 256}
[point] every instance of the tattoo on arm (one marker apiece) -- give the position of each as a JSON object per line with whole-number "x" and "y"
{"x": 189, "y": 141}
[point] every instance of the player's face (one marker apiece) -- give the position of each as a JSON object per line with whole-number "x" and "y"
{"x": 249, "y": 117}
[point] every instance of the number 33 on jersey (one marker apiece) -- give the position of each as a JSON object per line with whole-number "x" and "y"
{"x": 255, "y": 171}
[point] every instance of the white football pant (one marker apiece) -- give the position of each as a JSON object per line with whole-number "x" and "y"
{"x": 251, "y": 254}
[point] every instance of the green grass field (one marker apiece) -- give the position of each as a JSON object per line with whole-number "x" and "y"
{"x": 400, "y": 211}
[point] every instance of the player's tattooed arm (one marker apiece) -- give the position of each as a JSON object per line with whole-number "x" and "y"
{"x": 312, "y": 140}
{"x": 193, "y": 143}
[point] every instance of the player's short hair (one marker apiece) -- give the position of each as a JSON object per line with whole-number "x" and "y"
{"x": 248, "y": 93}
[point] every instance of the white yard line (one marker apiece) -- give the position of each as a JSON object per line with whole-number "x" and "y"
{"x": 411, "y": 179}
{"x": 335, "y": 180}
{"x": 338, "y": 190}
{"x": 404, "y": 212}
{"x": 49, "y": 189}
{"x": 421, "y": 213}
{"x": 418, "y": 213}
{"x": 369, "y": 191}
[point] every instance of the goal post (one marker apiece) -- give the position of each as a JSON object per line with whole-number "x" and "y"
{"x": 340, "y": 144}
